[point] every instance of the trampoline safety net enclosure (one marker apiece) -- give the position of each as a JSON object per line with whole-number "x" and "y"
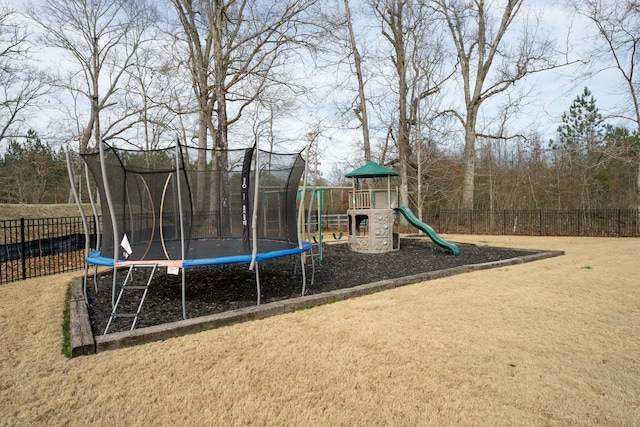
{"x": 213, "y": 194}
{"x": 187, "y": 207}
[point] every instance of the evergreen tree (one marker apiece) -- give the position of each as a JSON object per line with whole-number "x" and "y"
{"x": 582, "y": 127}
{"x": 579, "y": 154}
{"x": 620, "y": 171}
{"x": 32, "y": 172}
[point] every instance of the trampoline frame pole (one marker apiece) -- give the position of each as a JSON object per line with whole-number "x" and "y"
{"x": 304, "y": 274}
{"x": 254, "y": 214}
{"x": 96, "y": 219}
{"x": 257, "y": 283}
{"x": 301, "y": 221}
{"x": 84, "y": 220}
{"x": 254, "y": 222}
{"x": 181, "y": 216}
{"x": 112, "y": 213}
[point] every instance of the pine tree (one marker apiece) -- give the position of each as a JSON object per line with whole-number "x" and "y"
{"x": 579, "y": 153}
{"x": 32, "y": 172}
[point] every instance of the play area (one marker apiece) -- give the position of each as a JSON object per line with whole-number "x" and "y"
{"x": 192, "y": 226}
{"x": 373, "y": 213}
{"x": 223, "y": 288}
{"x": 188, "y": 232}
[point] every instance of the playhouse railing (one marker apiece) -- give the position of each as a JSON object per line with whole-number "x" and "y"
{"x": 372, "y": 199}
{"x": 360, "y": 199}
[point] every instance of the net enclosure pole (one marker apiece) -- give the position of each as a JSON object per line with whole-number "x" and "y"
{"x": 72, "y": 181}
{"x": 301, "y": 221}
{"x": 181, "y": 218}
{"x": 254, "y": 216}
{"x": 96, "y": 219}
{"x": 254, "y": 222}
{"x": 112, "y": 213}
{"x": 93, "y": 204}
{"x": 302, "y": 196}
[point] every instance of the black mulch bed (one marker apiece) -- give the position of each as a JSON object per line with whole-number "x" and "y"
{"x": 216, "y": 289}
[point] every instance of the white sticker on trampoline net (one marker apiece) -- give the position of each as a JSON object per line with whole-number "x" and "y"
{"x": 126, "y": 246}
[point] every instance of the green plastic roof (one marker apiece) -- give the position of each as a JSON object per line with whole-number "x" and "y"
{"x": 371, "y": 170}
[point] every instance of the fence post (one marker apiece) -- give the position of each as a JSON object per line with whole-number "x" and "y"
{"x": 23, "y": 248}
{"x": 579, "y": 223}
{"x": 540, "y": 221}
{"x": 504, "y": 222}
{"x": 619, "y": 218}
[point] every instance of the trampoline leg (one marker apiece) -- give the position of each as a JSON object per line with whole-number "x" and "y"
{"x": 304, "y": 275}
{"x": 84, "y": 283}
{"x": 184, "y": 306}
{"x": 257, "y": 283}
{"x": 113, "y": 285}
{"x": 95, "y": 277}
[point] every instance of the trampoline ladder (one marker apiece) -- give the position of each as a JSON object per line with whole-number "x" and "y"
{"x": 128, "y": 278}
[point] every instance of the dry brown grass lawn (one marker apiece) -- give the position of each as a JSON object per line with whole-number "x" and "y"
{"x": 554, "y": 342}
{"x": 17, "y": 211}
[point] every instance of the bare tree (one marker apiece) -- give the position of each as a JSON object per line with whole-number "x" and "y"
{"x": 274, "y": 107}
{"x": 617, "y": 43}
{"x": 21, "y": 85}
{"x": 235, "y": 49}
{"x": 408, "y": 27}
{"x": 100, "y": 38}
{"x": 150, "y": 84}
{"x": 198, "y": 32}
{"x": 492, "y": 57}
{"x": 361, "y": 105}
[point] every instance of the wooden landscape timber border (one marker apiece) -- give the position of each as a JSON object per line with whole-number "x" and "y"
{"x": 84, "y": 343}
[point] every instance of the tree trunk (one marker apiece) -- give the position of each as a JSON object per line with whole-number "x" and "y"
{"x": 201, "y": 162}
{"x": 222, "y": 128}
{"x": 468, "y": 184}
{"x": 638, "y": 193}
{"x": 361, "y": 111}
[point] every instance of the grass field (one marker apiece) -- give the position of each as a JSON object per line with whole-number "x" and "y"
{"x": 17, "y": 211}
{"x": 554, "y": 342}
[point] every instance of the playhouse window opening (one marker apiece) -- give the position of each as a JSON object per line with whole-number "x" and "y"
{"x": 396, "y": 234}
{"x": 362, "y": 225}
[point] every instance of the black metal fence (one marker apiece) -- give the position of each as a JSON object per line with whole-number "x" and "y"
{"x": 39, "y": 247}
{"x": 592, "y": 223}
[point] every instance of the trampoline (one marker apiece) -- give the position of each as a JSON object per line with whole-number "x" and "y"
{"x": 184, "y": 207}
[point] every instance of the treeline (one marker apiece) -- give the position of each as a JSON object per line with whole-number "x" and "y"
{"x": 589, "y": 165}
{"x": 529, "y": 174}
{"x": 33, "y": 172}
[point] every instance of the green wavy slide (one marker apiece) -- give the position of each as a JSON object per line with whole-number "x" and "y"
{"x": 413, "y": 220}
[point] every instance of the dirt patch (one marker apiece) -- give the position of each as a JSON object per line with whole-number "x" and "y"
{"x": 216, "y": 289}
